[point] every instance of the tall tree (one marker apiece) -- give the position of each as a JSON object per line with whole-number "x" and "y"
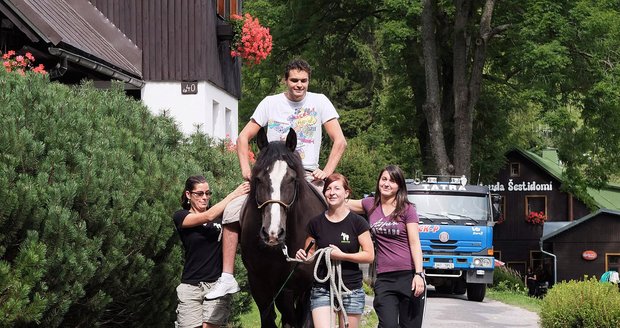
{"x": 469, "y": 53}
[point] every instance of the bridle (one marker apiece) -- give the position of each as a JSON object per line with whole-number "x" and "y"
{"x": 277, "y": 201}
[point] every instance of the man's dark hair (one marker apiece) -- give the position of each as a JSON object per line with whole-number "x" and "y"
{"x": 298, "y": 64}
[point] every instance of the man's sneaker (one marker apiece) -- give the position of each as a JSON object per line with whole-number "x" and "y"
{"x": 222, "y": 288}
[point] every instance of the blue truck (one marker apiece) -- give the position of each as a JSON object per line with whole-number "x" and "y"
{"x": 456, "y": 233}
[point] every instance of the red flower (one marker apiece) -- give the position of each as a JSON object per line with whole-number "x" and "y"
{"x": 251, "y": 41}
{"x": 21, "y": 63}
{"x": 232, "y": 147}
{"x": 536, "y": 217}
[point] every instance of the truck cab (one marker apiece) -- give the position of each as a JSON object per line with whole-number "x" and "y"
{"x": 456, "y": 233}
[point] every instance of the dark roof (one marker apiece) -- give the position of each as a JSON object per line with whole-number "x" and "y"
{"x": 178, "y": 39}
{"x": 78, "y": 27}
{"x": 552, "y": 229}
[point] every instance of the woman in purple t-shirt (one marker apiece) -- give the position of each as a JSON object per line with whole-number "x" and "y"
{"x": 400, "y": 283}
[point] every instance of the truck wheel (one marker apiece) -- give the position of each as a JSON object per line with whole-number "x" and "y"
{"x": 460, "y": 287}
{"x": 476, "y": 292}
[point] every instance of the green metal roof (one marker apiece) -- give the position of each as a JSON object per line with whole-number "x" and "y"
{"x": 607, "y": 197}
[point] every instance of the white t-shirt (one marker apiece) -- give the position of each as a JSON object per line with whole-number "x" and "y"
{"x": 306, "y": 117}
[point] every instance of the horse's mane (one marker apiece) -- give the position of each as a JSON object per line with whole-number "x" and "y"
{"x": 274, "y": 151}
{"x": 277, "y": 150}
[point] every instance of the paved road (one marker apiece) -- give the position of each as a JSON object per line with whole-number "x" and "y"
{"x": 450, "y": 311}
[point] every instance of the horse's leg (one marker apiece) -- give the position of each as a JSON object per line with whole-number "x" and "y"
{"x": 262, "y": 297}
{"x": 267, "y": 314}
{"x": 267, "y": 311}
{"x": 286, "y": 306}
{"x": 303, "y": 310}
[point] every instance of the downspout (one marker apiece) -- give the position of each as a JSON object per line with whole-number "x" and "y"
{"x": 555, "y": 262}
{"x": 103, "y": 69}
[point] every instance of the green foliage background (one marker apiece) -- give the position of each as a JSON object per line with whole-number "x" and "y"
{"x": 88, "y": 182}
{"x": 550, "y": 79}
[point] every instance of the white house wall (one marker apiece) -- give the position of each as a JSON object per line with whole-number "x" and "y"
{"x": 211, "y": 110}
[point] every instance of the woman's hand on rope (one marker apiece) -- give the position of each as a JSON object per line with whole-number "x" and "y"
{"x": 301, "y": 255}
{"x": 417, "y": 285}
{"x": 336, "y": 253}
{"x": 304, "y": 254}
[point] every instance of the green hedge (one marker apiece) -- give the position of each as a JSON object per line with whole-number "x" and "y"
{"x": 588, "y": 303}
{"x": 88, "y": 182}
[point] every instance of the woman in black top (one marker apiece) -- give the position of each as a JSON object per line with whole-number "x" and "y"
{"x": 199, "y": 227}
{"x": 348, "y": 236}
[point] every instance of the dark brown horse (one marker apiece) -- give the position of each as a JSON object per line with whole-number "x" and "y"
{"x": 279, "y": 206}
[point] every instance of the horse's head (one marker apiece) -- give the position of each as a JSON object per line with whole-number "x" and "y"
{"x": 276, "y": 179}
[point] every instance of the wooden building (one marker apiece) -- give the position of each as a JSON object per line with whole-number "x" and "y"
{"x": 531, "y": 185}
{"x": 588, "y": 246}
{"x": 173, "y": 55}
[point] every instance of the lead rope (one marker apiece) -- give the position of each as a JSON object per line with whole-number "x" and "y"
{"x": 334, "y": 274}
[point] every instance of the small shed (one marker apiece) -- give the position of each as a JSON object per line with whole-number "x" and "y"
{"x": 589, "y": 246}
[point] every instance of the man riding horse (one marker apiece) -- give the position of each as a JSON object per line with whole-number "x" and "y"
{"x": 303, "y": 111}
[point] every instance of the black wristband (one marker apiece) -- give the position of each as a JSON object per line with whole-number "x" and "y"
{"x": 421, "y": 274}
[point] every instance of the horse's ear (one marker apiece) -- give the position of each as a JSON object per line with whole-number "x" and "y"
{"x": 291, "y": 140}
{"x": 261, "y": 139}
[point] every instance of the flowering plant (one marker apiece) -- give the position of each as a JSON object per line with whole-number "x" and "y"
{"x": 536, "y": 217}
{"x": 13, "y": 62}
{"x": 232, "y": 147}
{"x": 251, "y": 41}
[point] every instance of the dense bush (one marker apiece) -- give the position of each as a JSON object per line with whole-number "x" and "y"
{"x": 361, "y": 166}
{"x": 88, "y": 182}
{"x": 507, "y": 279}
{"x": 586, "y": 303}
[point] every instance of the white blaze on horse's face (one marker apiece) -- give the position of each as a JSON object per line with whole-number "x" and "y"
{"x": 276, "y": 176}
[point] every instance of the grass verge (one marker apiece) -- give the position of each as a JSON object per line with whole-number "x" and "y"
{"x": 252, "y": 318}
{"x": 517, "y": 299}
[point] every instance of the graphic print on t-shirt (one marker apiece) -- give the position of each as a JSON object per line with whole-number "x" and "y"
{"x": 345, "y": 238}
{"x": 303, "y": 121}
{"x": 385, "y": 226}
{"x": 215, "y": 225}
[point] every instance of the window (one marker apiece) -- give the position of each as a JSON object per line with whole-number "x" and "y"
{"x": 216, "y": 125}
{"x": 536, "y": 260}
{"x": 518, "y": 266}
{"x": 515, "y": 169}
{"x": 612, "y": 262}
{"x": 225, "y": 8}
{"x": 227, "y": 122}
{"x": 502, "y": 208}
{"x": 535, "y": 204}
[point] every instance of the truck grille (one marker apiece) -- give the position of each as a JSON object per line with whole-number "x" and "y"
{"x": 437, "y": 241}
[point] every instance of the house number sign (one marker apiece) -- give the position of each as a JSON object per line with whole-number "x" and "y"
{"x": 189, "y": 88}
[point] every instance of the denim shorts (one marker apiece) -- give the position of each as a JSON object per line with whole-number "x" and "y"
{"x": 353, "y": 303}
